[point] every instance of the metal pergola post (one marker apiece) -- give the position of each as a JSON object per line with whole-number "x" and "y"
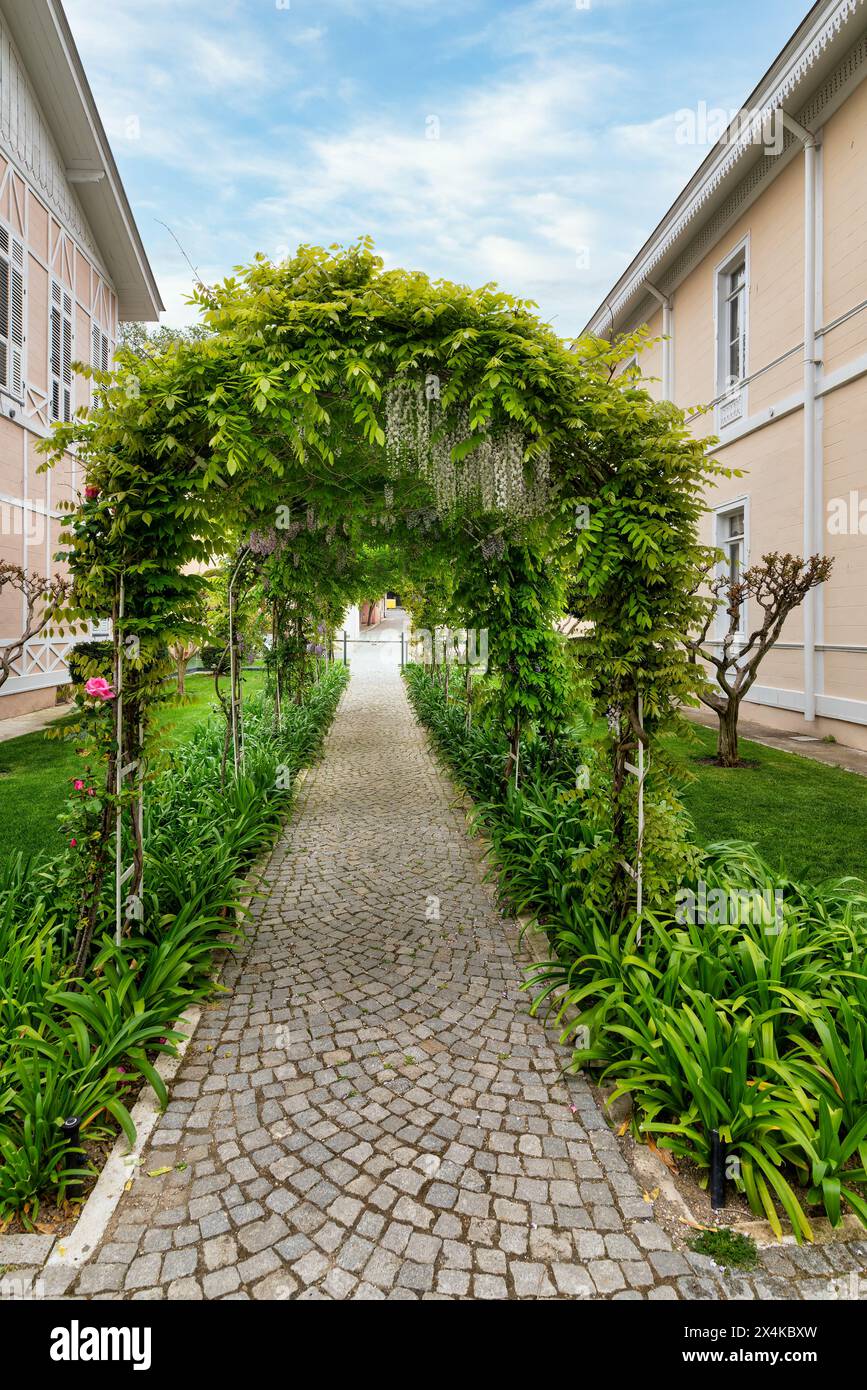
{"x": 118, "y": 767}
{"x": 636, "y": 871}
{"x": 234, "y": 680}
{"x": 134, "y": 906}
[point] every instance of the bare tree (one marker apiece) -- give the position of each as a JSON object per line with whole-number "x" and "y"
{"x": 41, "y": 598}
{"x": 182, "y": 654}
{"x": 778, "y": 584}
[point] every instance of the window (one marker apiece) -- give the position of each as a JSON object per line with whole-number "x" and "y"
{"x": 731, "y": 538}
{"x": 731, "y": 313}
{"x": 734, "y": 324}
{"x": 61, "y": 353}
{"x": 11, "y": 314}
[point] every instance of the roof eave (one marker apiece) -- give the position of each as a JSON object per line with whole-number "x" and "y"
{"x": 800, "y": 67}
{"x": 47, "y": 48}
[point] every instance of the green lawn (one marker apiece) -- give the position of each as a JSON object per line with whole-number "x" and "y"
{"x": 35, "y": 771}
{"x": 804, "y": 817}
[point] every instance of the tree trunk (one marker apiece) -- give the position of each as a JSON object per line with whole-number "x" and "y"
{"x": 727, "y": 747}
{"x": 511, "y": 765}
{"x": 92, "y": 891}
{"x": 183, "y": 663}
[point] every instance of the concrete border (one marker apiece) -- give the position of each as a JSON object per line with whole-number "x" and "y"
{"x": 71, "y": 1252}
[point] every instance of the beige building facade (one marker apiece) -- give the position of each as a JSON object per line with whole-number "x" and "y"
{"x": 72, "y": 266}
{"x": 754, "y": 288}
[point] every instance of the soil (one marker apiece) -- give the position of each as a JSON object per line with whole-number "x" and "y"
{"x": 58, "y": 1219}
{"x": 687, "y": 1178}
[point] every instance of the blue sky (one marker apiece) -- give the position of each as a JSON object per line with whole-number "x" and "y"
{"x": 535, "y": 144}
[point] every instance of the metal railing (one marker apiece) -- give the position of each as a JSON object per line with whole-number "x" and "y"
{"x": 371, "y": 642}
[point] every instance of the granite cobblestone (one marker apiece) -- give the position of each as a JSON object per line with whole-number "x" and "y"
{"x": 370, "y": 1111}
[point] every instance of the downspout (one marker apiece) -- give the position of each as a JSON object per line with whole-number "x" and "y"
{"x": 665, "y": 301}
{"x": 808, "y": 140}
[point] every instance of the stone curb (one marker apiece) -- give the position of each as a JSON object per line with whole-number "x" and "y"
{"x": 71, "y": 1252}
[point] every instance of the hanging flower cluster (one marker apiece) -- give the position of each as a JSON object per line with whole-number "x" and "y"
{"x": 494, "y": 474}
{"x": 263, "y": 542}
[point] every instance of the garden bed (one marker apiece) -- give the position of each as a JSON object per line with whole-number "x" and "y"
{"x": 64, "y": 1041}
{"x": 753, "y": 1024}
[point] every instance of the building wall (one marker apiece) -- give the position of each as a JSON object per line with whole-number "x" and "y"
{"x": 39, "y": 208}
{"x": 766, "y": 443}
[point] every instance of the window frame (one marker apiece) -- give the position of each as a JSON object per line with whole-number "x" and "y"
{"x": 738, "y": 257}
{"x": 722, "y": 516}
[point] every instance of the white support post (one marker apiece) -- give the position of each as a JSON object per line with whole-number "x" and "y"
{"x": 122, "y": 772}
{"x": 636, "y": 871}
{"x": 118, "y": 771}
{"x": 234, "y": 675}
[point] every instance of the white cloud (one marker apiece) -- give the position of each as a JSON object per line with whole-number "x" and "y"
{"x": 259, "y": 128}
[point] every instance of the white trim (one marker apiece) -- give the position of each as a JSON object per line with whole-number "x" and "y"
{"x": 776, "y": 698}
{"x": 732, "y": 399}
{"x": 836, "y": 707}
{"x": 768, "y": 416}
{"x": 719, "y": 513}
{"x": 842, "y": 376}
{"x": 827, "y": 706}
{"x": 18, "y": 684}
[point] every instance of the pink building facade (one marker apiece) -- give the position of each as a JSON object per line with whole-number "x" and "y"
{"x": 72, "y": 266}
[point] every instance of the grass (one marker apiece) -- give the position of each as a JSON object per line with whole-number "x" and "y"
{"x": 726, "y": 1247}
{"x": 806, "y": 818}
{"x": 35, "y": 771}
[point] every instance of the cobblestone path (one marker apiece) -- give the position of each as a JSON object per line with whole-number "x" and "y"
{"x": 371, "y": 1112}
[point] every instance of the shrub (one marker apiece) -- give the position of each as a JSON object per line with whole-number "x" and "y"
{"x": 754, "y": 1025}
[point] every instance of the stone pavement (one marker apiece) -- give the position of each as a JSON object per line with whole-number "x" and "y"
{"x": 20, "y": 724}
{"x": 370, "y": 1112}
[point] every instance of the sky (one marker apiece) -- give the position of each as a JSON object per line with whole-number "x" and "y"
{"x": 534, "y": 144}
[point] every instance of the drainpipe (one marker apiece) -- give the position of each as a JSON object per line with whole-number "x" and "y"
{"x": 665, "y": 301}
{"x": 808, "y": 140}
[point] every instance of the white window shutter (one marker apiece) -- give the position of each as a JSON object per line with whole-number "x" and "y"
{"x": 56, "y": 349}
{"x": 61, "y": 353}
{"x": 5, "y": 282}
{"x": 16, "y": 321}
{"x": 67, "y": 357}
{"x": 11, "y": 313}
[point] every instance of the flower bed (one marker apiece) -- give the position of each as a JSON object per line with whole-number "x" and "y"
{"x": 738, "y": 1003}
{"x": 78, "y": 1047}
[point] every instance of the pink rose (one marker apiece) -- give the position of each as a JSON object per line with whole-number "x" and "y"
{"x": 78, "y": 784}
{"x": 99, "y": 688}
{"x": 72, "y": 844}
{"x": 91, "y": 492}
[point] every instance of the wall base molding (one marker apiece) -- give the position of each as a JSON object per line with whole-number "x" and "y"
{"x": 829, "y": 706}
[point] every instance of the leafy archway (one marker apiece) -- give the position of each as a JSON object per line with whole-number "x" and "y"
{"x": 337, "y": 405}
